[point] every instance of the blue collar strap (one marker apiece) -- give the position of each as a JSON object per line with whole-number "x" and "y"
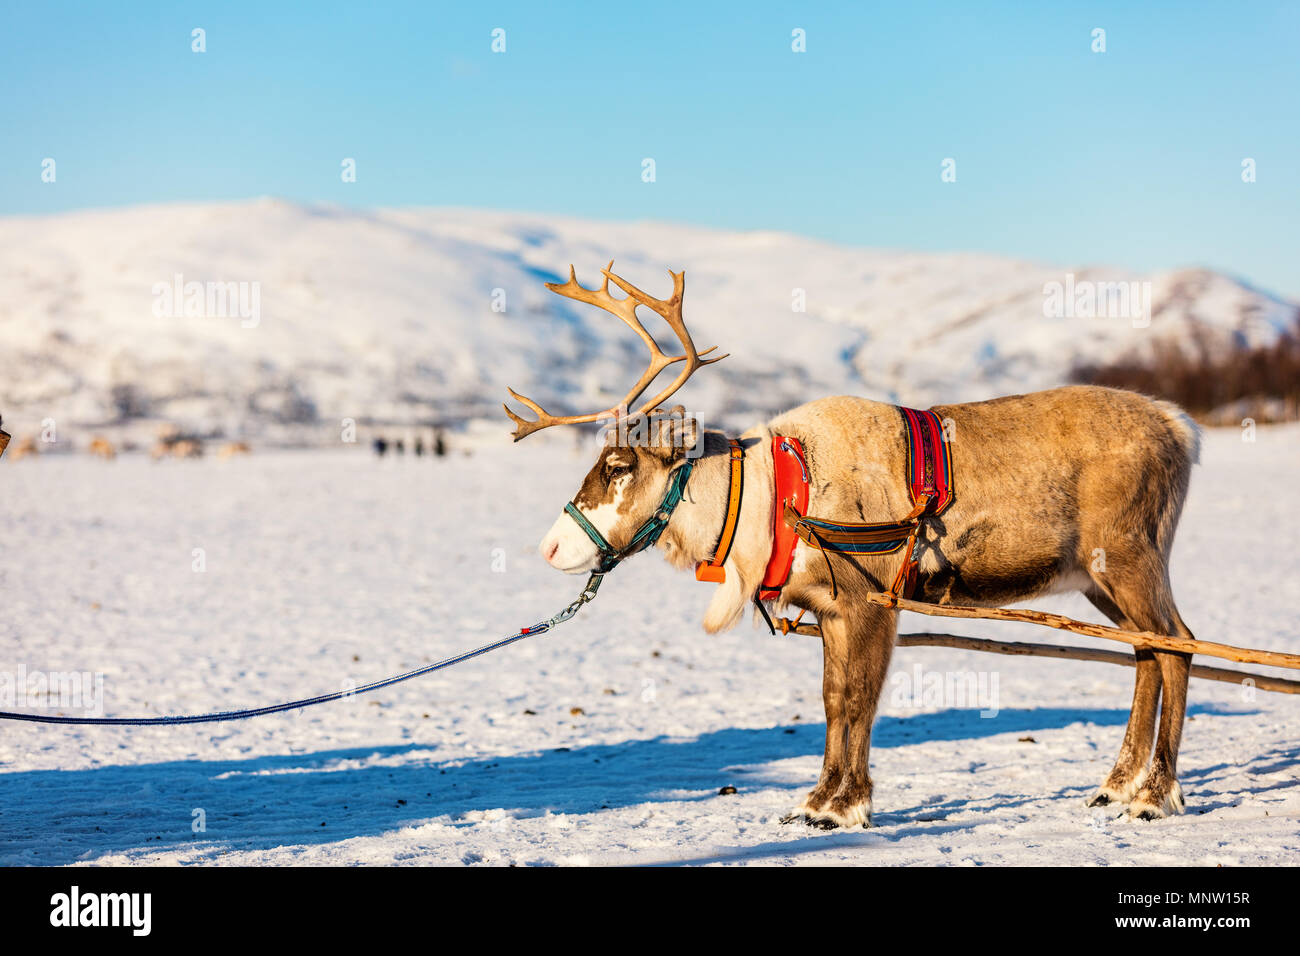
{"x": 648, "y": 533}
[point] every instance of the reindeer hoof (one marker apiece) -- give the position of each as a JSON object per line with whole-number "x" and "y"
{"x": 858, "y": 814}
{"x": 1151, "y": 806}
{"x": 812, "y": 818}
{"x": 806, "y": 810}
{"x": 1113, "y": 792}
{"x": 1104, "y": 798}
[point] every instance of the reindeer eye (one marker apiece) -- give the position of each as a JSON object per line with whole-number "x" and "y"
{"x": 616, "y": 467}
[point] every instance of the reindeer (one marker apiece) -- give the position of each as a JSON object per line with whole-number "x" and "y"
{"x": 1045, "y": 483}
{"x": 25, "y": 446}
{"x": 101, "y": 447}
{"x": 176, "y": 448}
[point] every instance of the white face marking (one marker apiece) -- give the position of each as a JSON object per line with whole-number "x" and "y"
{"x": 567, "y": 547}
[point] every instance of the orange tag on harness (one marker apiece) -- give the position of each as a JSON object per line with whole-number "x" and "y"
{"x": 709, "y": 573}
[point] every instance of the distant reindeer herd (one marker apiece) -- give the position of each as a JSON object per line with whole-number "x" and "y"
{"x": 170, "y": 443}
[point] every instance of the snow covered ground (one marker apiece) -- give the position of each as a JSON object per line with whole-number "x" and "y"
{"x": 323, "y": 567}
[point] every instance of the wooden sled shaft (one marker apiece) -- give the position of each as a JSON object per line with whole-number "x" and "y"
{"x": 1144, "y": 639}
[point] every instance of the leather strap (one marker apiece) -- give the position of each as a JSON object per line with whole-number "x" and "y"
{"x": 842, "y": 536}
{"x": 712, "y": 570}
{"x": 791, "y": 480}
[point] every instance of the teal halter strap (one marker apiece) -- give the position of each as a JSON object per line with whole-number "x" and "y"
{"x": 648, "y": 533}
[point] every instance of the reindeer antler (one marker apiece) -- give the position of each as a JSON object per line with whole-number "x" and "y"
{"x": 625, "y": 309}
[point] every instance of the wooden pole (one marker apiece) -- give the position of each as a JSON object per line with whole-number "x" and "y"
{"x": 1067, "y": 652}
{"x": 1061, "y": 622}
{"x": 1261, "y": 681}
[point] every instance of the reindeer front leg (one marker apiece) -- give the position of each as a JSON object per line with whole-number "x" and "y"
{"x": 871, "y": 645}
{"x": 835, "y": 657}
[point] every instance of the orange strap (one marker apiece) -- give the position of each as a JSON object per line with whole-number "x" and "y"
{"x": 713, "y": 571}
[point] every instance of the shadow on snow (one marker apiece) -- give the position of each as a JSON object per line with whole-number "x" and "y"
{"x": 55, "y": 817}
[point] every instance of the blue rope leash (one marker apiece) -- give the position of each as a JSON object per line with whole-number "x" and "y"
{"x": 588, "y": 593}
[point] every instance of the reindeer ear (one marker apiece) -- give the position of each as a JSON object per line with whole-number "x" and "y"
{"x": 675, "y": 433}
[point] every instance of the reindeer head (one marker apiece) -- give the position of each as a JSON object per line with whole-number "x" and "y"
{"x": 645, "y": 451}
{"x": 623, "y": 491}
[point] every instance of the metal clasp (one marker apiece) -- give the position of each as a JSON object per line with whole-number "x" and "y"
{"x": 789, "y": 450}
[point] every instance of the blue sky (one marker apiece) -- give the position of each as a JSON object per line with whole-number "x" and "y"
{"x": 1131, "y": 157}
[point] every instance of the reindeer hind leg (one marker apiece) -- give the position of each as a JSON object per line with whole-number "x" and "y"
{"x": 1161, "y": 795}
{"x": 1126, "y": 777}
{"x": 1140, "y": 591}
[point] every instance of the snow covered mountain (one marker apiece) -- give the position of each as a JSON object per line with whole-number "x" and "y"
{"x": 426, "y": 315}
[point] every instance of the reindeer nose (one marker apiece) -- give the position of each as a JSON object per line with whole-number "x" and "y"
{"x": 548, "y": 551}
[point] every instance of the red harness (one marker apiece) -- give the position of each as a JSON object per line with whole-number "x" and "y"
{"x": 791, "y": 473}
{"x": 929, "y": 473}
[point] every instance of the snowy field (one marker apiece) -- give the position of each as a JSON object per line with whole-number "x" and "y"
{"x": 605, "y": 742}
